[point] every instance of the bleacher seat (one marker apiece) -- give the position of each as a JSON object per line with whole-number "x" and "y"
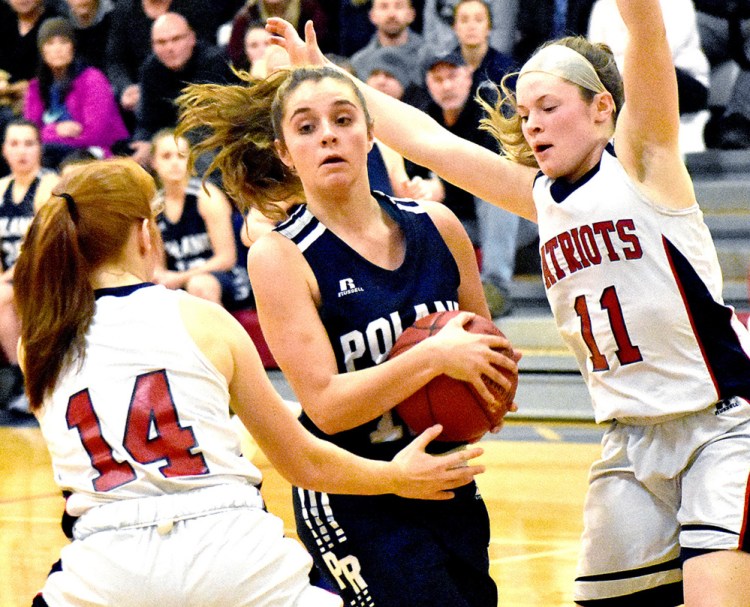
{"x": 248, "y": 318}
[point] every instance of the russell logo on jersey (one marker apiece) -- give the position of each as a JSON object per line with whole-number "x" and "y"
{"x": 726, "y": 404}
{"x": 347, "y": 287}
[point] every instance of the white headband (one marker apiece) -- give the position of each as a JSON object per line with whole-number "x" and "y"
{"x": 564, "y": 62}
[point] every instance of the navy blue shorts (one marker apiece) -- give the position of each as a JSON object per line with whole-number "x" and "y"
{"x": 235, "y": 288}
{"x": 386, "y": 551}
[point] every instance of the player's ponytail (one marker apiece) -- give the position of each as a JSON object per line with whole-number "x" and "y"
{"x": 86, "y": 222}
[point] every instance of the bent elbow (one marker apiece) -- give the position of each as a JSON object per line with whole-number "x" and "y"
{"x": 326, "y": 422}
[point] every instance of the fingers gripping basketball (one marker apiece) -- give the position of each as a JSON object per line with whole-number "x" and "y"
{"x": 463, "y": 413}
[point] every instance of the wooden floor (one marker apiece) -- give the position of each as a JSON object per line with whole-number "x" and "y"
{"x": 533, "y": 488}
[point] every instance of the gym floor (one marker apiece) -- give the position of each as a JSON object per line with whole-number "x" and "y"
{"x": 534, "y": 487}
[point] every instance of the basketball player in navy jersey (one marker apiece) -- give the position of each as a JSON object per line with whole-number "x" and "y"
{"x": 336, "y": 283}
{"x": 200, "y": 253}
{"x": 633, "y": 279}
{"x": 131, "y": 383}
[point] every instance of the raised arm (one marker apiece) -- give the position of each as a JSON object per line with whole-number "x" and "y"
{"x": 647, "y": 134}
{"x": 416, "y": 136}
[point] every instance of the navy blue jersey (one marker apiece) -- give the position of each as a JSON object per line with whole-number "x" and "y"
{"x": 377, "y": 172}
{"x": 365, "y": 308}
{"x": 387, "y": 551}
{"x": 15, "y": 220}
{"x": 186, "y": 242}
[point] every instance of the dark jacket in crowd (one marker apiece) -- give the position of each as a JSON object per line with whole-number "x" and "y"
{"x": 534, "y": 24}
{"x": 19, "y": 55}
{"x": 160, "y": 86}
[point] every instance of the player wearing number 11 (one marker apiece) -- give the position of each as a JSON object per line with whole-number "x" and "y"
{"x": 131, "y": 383}
{"x": 633, "y": 279}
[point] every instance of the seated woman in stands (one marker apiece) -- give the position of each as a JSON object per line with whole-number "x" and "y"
{"x": 200, "y": 253}
{"x": 71, "y": 103}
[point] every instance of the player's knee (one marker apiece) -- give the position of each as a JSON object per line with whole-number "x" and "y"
{"x": 717, "y": 578}
{"x": 204, "y": 286}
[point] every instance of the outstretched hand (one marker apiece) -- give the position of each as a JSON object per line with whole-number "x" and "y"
{"x": 431, "y": 477}
{"x": 301, "y": 52}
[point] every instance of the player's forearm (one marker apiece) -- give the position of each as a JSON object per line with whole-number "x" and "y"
{"x": 325, "y": 467}
{"x": 642, "y": 17}
{"x": 216, "y": 263}
{"x": 352, "y": 399}
{"x": 412, "y": 473}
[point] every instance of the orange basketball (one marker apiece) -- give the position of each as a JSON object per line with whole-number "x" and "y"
{"x": 463, "y": 413}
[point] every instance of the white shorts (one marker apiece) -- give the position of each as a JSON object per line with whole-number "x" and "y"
{"x": 212, "y": 546}
{"x": 680, "y": 486}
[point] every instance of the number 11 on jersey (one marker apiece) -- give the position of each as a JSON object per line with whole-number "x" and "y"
{"x": 626, "y": 352}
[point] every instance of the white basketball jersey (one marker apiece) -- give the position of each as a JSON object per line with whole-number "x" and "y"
{"x": 146, "y": 414}
{"x": 636, "y": 294}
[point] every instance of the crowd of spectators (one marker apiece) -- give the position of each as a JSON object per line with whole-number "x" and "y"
{"x": 95, "y": 78}
{"x": 101, "y": 76}
{"x": 142, "y": 51}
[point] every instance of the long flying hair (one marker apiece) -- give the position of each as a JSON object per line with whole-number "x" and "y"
{"x": 238, "y": 125}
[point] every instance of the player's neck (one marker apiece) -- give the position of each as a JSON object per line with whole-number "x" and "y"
{"x": 131, "y": 267}
{"x": 25, "y": 178}
{"x": 342, "y": 206}
{"x": 111, "y": 277}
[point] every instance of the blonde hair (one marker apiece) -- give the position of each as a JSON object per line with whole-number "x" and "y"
{"x": 503, "y": 121}
{"x": 239, "y": 124}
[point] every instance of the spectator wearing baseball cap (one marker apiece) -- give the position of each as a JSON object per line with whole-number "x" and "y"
{"x": 448, "y": 81}
{"x": 433, "y": 58}
{"x": 389, "y": 73}
{"x": 451, "y": 88}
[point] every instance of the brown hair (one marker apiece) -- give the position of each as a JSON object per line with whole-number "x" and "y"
{"x": 22, "y": 122}
{"x": 462, "y": 2}
{"x": 162, "y": 134}
{"x": 242, "y": 121}
{"x": 85, "y": 223}
{"x": 166, "y": 132}
{"x": 502, "y": 120}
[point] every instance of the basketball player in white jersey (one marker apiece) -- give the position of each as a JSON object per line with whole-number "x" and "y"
{"x": 635, "y": 287}
{"x": 132, "y": 383}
